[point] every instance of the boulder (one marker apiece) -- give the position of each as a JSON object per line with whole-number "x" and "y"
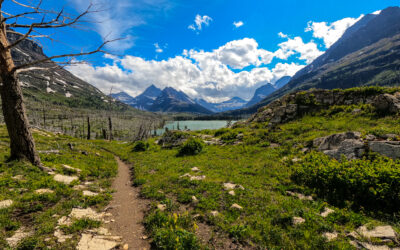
{"x": 387, "y": 103}
{"x": 6, "y": 204}
{"x": 19, "y": 235}
{"x": 348, "y": 144}
{"x": 298, "y": 220}
{"x": 390, "y": 149}
{"x": 380, "y": 232}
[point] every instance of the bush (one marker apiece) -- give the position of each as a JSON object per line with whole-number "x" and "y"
{"x": 370, "y": 183}
{"x": 140, "y": 146}
{"x": 230, "y": 136}
{"x": 221, "y": 131}
{"x": 193, "y": 146}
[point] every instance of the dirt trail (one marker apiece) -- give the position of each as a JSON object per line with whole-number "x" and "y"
{"x": 127, "y": 210}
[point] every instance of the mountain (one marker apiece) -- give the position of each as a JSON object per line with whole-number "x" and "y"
{"x": 51, "y": 84}
{"x": 125, "y": 98}
{"x": 143, "y": 101}
{"x": 232, "y": 104}
{"x": 282, "y": 82}
{"x": 261, "y": 93}
{"x": 171, "y": 100}
{"x": 367, "y": 54}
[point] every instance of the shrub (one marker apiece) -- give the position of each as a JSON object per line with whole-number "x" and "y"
{"x": 221, "y": 131}
{"x": 230, "y": 136}
{"x": 370, "y": 183}
{"x": 239, "y": 232}
{"x": 193, "y": 146}
{"x": 140, "y": 146}
{"x": 172, "y": 139}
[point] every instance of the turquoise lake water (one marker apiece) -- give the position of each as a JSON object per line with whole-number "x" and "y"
{"x": 192, "y": 125}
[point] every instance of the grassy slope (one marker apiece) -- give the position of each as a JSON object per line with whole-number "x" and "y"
{"x": 41, "y": 212}
{"x": 264, "y": 172}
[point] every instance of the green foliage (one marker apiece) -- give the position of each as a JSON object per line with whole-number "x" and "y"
{"x": 305, "y": 98}
{"x": 80, "y": 225}
{"x": 239, "y": 232}
{"x": 140, "y": 146}
{"x": 171, "y": 232}
{"x": 192, "y": 146}
{"x": 229, "y": 136}
{"x": 370, "y": 183}
{"x": 221, "y": 131}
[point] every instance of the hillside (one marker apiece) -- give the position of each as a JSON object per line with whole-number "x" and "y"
{"x": 57, "y": 100}
{"x": 313, "y": 170}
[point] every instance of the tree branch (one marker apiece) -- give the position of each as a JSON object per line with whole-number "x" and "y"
{"x": 48, "y": 59}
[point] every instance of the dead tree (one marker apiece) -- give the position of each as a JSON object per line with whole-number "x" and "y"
{"x": 88, "y": 128}
{"x": 35, "y": 20}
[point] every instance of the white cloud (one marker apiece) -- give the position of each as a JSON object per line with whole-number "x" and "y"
{"x": 200, "y": 74}
{"x": 238, "y": 24}
{"x": 237, "y": 54}
{"x": 116, "y": 19}
{"x": 307, "y": 51}
{"x": 199, "y": 21}
{"x": 280, "y": 34}
{"x": 158, "y": 48}
{"x": 331, "y": 32}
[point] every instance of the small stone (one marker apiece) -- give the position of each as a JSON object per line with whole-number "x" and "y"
{"x": 89, "y": 193}
{"x": 44, "y": 191}
{"x": 79, "y": 187}
{"x": 145, "y": 237}
{"x": 197, "y": 178}
{"x": 185, "y": 175}
{"x": 61, "y": 237}
{"x": 71, "y": 168}
{"x": 79, "y": 213}
{"x": 19, "y": 235}
{"x": 370, "y": 137}
{"x": 214, "y": 213}
{"x": 96, "y": 242}
{"x": 229, "y": 186}
{"x": 97, "y": 154}
{"x": 18, "y": 177}
{"x": 381, "y": 232}
{"x": 125, "y": 247}
{"x": 236, "y": 206}
{"x": 195, "y": 169}
{"x": 6, "y": 204}
{"x": 162, "y": 207}
{"x": 330, "y": 236}
{"x": 274, "y": 145}
{"x": 232, "y": 193}
{"x": 194, "y": 199}
{"x": 298, "y": 220}
{"x": 65, "y": 179}
{"x": 327, "y": 212}
{"x": 64, "y": 221}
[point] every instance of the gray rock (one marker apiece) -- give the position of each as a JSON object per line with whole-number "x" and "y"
{"x": 387, "y": 103}
{"x": 348, "y": 144}
{"x": 387, "y": 148}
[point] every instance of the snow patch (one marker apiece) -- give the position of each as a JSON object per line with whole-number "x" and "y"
{"x": 68, "y": 95}
{"x": 23, "y": 53}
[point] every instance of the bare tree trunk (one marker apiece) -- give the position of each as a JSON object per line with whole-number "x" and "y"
{"x": 110, "y": 128}
{"x": 21, "y": 141}
{"x": 88, "y": 128}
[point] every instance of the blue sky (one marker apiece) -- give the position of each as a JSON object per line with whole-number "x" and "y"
{"x": 211, "y": 59}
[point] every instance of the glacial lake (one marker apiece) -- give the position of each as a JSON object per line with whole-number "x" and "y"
{"x": 193, "y": 125}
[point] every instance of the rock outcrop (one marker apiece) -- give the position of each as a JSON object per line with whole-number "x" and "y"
{"x": 352, "y": 146}
{"x": 348, "y": 144}
{"x": 387, "y": 103}
{"x": 297, "y": 104}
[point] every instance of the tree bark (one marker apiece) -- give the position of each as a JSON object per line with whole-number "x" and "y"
{"x": 21, "y": 141}
{"x": 88, "y": 128}
{"x": 110, "y": 128}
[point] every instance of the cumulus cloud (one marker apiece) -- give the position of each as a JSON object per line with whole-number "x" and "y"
{"x": 306, "y": 51}
{"x": 238, "y": 24}
{"x": 331, "y": 32}
{"x": 199, "y": 21}
{"x": 200, "y": 74}
{"x": 116, "y": 19}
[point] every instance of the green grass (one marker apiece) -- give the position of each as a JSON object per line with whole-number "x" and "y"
{"x": 40, "y": 212}
{"x": 265, "y": 173}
